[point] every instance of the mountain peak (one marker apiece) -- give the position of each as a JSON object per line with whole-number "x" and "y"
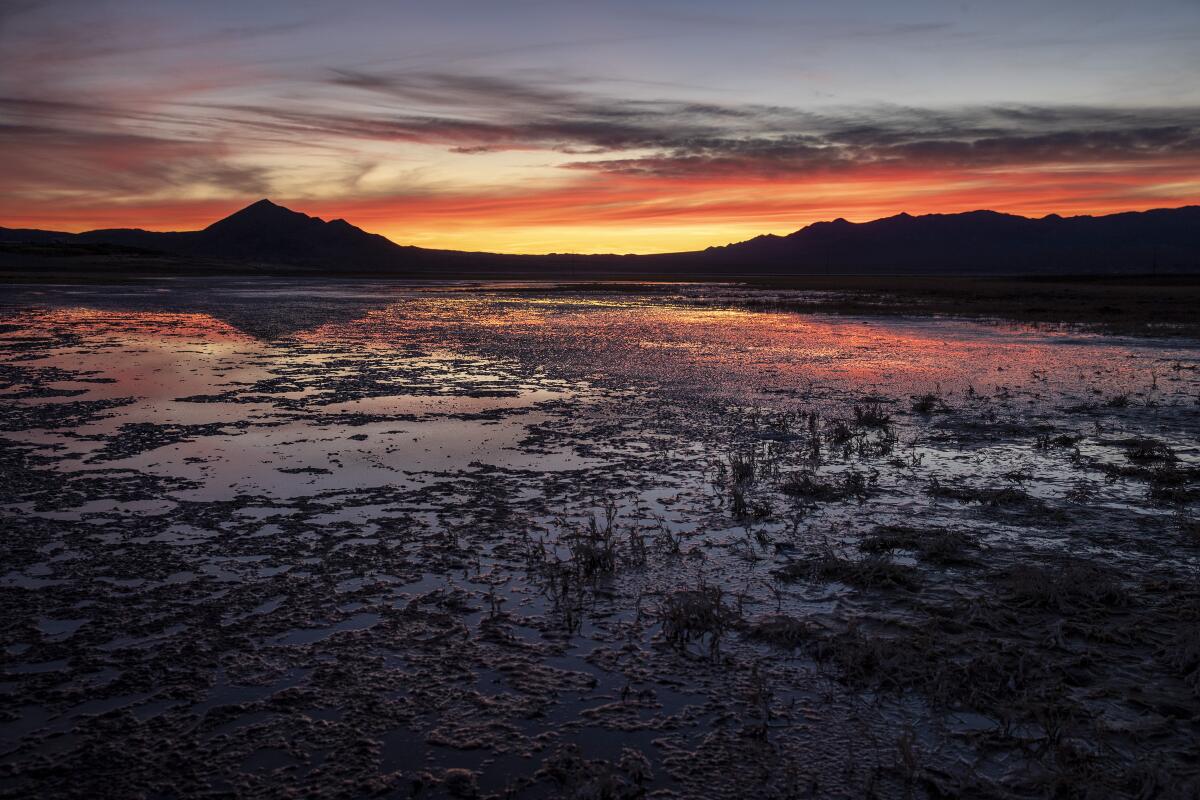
{"x": 264, "y": 206}
{"x": 262, "y": 214}
{"x": 261, "y": 207}
{"x": 269, "y": 232}
{"x": 973, "y": 242}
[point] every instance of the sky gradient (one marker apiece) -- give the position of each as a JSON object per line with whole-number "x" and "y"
{"x": 592, "y": 127}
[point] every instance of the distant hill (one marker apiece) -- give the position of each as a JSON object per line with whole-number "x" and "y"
{"x": 983, "y": 242}
{"x": 268, "y": 233}
{"x": 976, "y": 242}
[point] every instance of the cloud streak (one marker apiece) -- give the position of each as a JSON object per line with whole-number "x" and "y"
{"x": 616, "y": 161}
{"x": 472, "y": 114}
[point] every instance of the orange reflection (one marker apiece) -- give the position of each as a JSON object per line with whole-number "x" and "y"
{"x": 728, "y": 352}
{"x": 144, "y": 325}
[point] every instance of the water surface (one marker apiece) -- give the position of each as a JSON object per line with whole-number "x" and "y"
{"x": 340, "y": 534}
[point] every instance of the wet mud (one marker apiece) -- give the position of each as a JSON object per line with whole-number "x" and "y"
{"x": 346, "y": 539}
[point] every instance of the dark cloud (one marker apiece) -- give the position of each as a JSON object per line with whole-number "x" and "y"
{"x": 472, "y": 114}
{"x": 784, "y": 156}
{"x": 449, "y": 89}
{"x": 686, "y": 138}
{"x": 67, "y": 144}
{"x": 48, "y": 153}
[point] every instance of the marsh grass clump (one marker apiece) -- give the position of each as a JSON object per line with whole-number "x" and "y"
{"x": 872, "y": 572}
{"x": 1171, "y": 483}
{"x": 593, "y": 553}
{"x": 593, "y": 550}
{"x": 579, "y": 778}
{"x": 813, "y": 452}
{"x": 743, "y": 467}
{"x": 936, "y": 546}
{"x": 881, "y": 444}
{"x": 743, "y": 508}
{"x": 780, "y": 630}
{"x": 839, "y": 432}
{"x": 1170, "y": 480}
{"x": 638, "y": 550}
{"x": 857, "y": 484}
{"x": 743, "y": 470}
{"x": 566, "y": 591}
{"x": 1072, "y": 586}
{"x": 1177, "y": 495}
{"x": 861, "y": 660}
{"x": 670, "y": 542}
{"x": 871, "y": 415}
{"x": 891, "y": 663}
{"x": 1050, "y": 441}
{"x": 927, "y": 403}
{"x": 998, "y": 678}
{"x": 806, "y": 485}
{"x": 991, "y": 496}
{"x": 699, "y": 615}
{"x": 1148, "y": 451}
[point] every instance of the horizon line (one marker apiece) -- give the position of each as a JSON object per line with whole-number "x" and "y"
{"x": 767, "y": 235}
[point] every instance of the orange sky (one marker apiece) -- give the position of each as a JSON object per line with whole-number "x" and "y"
{"x": 579, "y": 127}
{"x": 616, "y": 213}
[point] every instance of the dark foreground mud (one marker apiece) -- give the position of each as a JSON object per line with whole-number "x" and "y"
{"x": 348, "y": 540}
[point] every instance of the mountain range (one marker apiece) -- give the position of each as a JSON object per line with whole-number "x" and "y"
{"x": 976, "y": 242}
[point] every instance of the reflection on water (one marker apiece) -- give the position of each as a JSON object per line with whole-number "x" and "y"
{"x": 274, "y": 521}
{"x": 357, "y": 386}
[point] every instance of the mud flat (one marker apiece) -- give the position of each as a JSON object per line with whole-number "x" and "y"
{"x": 278, "y": 538}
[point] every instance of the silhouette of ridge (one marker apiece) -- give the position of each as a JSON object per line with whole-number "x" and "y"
{"x": 262, "y": 212}
{"x": 973, "y": 242}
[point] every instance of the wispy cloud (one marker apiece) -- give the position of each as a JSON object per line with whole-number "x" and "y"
{"x": 619, "y": 160}
{"x": 478, "y": 114}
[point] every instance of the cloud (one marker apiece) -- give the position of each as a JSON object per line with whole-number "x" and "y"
{"x": 793, "y": 155}
{"x": 58, "y": 149}
{"x": 450, "y": 89}
{"x": 60, "y": 145}
{"x": 482, "y": 114}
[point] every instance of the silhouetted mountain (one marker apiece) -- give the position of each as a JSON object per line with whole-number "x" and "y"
{"x": 269, "y": 233}
{"x": 976, "y": 242}
{"x": 33, "y": 236}
{"x": 982, "y": 242}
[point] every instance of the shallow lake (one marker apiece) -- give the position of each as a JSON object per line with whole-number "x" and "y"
{"x": 554, "y": 540}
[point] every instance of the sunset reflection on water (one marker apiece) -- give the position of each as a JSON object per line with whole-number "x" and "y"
{"x": 677, "y": 344}
{"x": 319, "y": 466}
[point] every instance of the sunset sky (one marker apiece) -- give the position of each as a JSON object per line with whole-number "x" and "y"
{"x": 526, "y": 126}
